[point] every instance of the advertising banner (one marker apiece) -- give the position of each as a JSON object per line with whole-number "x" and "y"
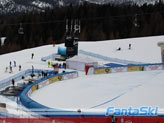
{"x": 134, "y": 68}
{"x": 153, "y": 67}
{"x": 55, "y": 79}
{"x": 70, "y": 76}
{"x": 43, "y": 84}
{"x": 102, "y": 71}
{"x": 35, "y": 87}
{"x": 119, "y": 69}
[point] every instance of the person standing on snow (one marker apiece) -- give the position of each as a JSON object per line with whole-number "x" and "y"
{"x": 10, "y": 63}
{"x": 49, "y": 64}
{"x": 11, "y": 70}
{"x": 19, "y": 67}
{"x": 32, "y": 69}
{"x": 13, "y": 82}
{"x": 6, "y": 69}
{"x": 130, "y": 46}
{"x": 52, "y": 64}
{"x": 32, "y": 55}
{"x": 15, "y": 64}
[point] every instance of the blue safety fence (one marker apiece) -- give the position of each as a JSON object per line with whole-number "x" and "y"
{"x": 18, "y": 77}
{"x": 128, "y": 68}
{"x": 114, "y": 65}
{"x": 7, "y": 115}
{"x": 130, "y": 65}
{"x": 41, "y": 109}
{"x": 44, "y": 59}
{"x": 109, "y": 58}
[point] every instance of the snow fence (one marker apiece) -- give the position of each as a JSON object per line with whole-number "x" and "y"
{"x": 41, "y": 109}
{"x": 129, "y": 68}
{"x": 52, "y": 56}
{"x": 18, "y": 77}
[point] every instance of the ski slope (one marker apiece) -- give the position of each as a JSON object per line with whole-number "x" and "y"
{"x": 102, "y": 91}
{"x": 98, "y": 91}
{"x": 121, "y": 89}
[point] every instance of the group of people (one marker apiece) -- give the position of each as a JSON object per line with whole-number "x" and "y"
{"x": 130, "y": 46}
{"x": 51, "y": 64}
{"x": 11, "y": 67}
{"x": 15, "y": 65}
{"x": 56, "y": 67}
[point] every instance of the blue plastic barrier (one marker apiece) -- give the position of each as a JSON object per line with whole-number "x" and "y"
{"x": 114, "y": 65}
{"x": 130, "y": 65}
{"x": 18, "y": 77}
{"x": 31, "y": 104}
{"x": 44, "y": 59}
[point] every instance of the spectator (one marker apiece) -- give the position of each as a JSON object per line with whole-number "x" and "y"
{"x": 113, "y": 118}
{"x": 10, "y": 63}
{"x": 52, "y": 64}
{"x": 6, "y": 69}
{"x": 32, "y": 55}
{"x": 11, "y": 70}
{"x": 32, "y": 69}
{"x": 19, "y": 67}
{"x": 64, "y": 65}
{"x": 15, "y": 64}
{"x": 49, "y": 64}
{"x": 22, "y": 77}
{"x": 60, "y": 66}
{"x": 42, "y": 73}
{"x": 13, "y": 82}
{"x": 130, "y": 46}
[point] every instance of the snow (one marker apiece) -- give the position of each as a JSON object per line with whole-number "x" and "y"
{"x": 98, "y": 91}
{"x": 87, "y": 92}
{"x": 143, "y": 49}
{"x": 41, "y": 4}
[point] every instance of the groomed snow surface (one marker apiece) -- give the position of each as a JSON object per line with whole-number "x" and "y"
{"x": 99, "y": 91}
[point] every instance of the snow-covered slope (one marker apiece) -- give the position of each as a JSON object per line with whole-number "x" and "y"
{"x": 97, "y": 91}
{"x": 134, "y": 89}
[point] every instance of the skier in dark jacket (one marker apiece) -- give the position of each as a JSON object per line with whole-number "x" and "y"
{"x": 130, "y": 46}
{"x": 32, "y": 55}
{"x": 19, "y": 67}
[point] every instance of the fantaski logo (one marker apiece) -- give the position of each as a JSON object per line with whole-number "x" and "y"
{"x": 142, "y": 111}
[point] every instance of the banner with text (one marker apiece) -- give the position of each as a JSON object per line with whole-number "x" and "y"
{"x": 119, "y": 69}
{"x": 102, "y": 71}
{"x": 153, "y": 67}
{"x": 55, "y": 79}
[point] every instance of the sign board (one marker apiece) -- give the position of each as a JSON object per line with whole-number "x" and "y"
{"x": 119, "y": 69}
{"x": 102, "y": 71}
{"x": 43, "y": 84}
{"x": 153, "y": 67}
